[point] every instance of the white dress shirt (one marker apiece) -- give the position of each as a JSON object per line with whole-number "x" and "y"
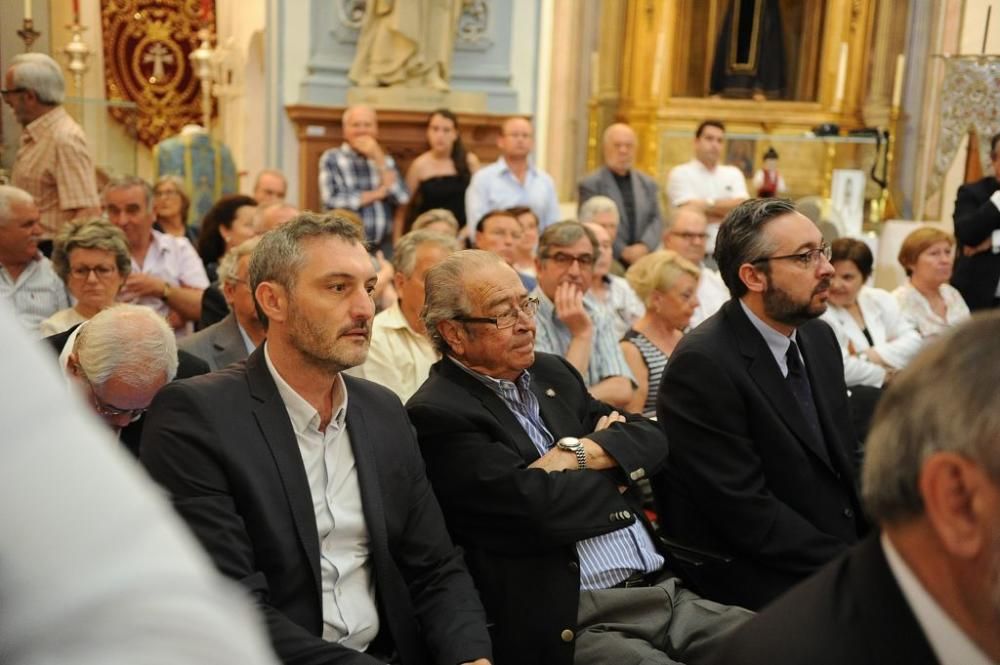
{"x": 712, "y": 294}
{"x": 350, "y": 616}
{"x": 399, "y": 357}
{"x": 694, "y": 181}
{"x": 950, "y": 644}
{"x": 915, "y": 307}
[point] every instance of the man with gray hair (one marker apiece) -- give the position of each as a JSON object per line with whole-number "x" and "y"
{"x": 538, "y": 481}
{"x": 927, "y": 588}
{"x": 167, "y": 273}
{"x": 52, "y": 162}
{"x": 754, "y": 403}
{"x": 361, "y": 176}
{"x": 401, "y": 354}
{"x": 686, "y": 232}
{"x": 27, "y": 279}
{"x": 272, "y": 215}
{"x": 306, "y": 485}
{"x": 635, "y": 195}
{"x": 240, "y": 332}
{"x": 120, "y": 358}
{"x": 271, "y": 186}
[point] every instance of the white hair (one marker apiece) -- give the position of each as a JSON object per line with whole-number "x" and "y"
{"x": 260, "y": 214}
{"x": 131, "y": 343}
{"x": 10, "y": 195}
{"x": 40, "y": 74}
{"x": 596, "y": 205}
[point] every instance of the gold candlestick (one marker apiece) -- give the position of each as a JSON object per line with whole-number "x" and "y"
{"x": 28, "y": 34}
{"x": 77, "y": 53}
{"x": 201, "y": 59}
{"x": 887, "y": 206}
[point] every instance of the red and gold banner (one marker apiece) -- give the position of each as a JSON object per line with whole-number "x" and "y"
{"x": 146, "y": 49}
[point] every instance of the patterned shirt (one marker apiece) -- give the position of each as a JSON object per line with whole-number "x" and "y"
{"x": 54, "y": 166}
{"x": 552, "y": 336}
{"x": 36, "y": 294}
{"x": 344, "y": 174}
{"x": 605, "y": 560}
{"x": 917, "y": 309}
{"x": 495, "y": 187}
{"x": 655, "y": 360}
{"x": 622, "y": 302}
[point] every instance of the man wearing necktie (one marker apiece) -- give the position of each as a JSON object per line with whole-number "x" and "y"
{"x": 754, "y": 404}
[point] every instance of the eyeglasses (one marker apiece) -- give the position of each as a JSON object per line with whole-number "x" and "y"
{"x": 108, "y": 410}
{"x": 807, "y": 259}
{"x": 12, "y": 91}
{"x": 562, "y": 260}
{"x": 165, "y": 193}
{"x": 102, "y": 272}
{"x": 528, "y": 307}
{"x": 690, "y": 237}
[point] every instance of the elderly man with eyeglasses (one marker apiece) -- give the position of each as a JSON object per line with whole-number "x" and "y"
{"x": 570, "y": 322}
{"x": 538, "y": 484}
{"x": 754, "y": 403}
{"x": 687, "y": 234}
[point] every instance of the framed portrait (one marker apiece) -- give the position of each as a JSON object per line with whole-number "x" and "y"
{"x": 847, "y": 198}
{"x": 740, "y": 153}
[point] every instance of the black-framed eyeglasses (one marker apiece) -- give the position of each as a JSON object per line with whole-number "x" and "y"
{"x": 805, "y": 259}
{"x": 108, "y": 410}
{"x": 102, "y": 272}
{"x": 12, "y": 91}
{"x": 528, "y": 307}
{"x": 563, "y": 260}
{"x": 690, "y": 236}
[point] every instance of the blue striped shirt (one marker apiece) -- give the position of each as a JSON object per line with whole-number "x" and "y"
{"x": 605, "y": 560}
{"x": 344, "y": 174}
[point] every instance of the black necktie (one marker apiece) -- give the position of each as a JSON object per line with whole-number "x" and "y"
{"x": 799, "y": 383}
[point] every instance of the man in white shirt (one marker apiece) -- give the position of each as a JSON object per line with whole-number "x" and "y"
{"x": 401, "y": 354}
{"x": 687, "y": 234}
{"x": 706, "y": 184}
{"x": 927, "y": 590}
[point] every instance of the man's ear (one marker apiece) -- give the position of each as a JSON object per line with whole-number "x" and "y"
{"x": 273, "y": 299}
{"x": 398, "y": 280}
{"x": 956, "y": 494}
{"x": 754, "y": 278}
{"x": 73, "y": 364}
{"x": 452, "y": 332}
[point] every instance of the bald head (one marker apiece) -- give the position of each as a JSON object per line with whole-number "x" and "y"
{"x": 268, "y": 217}
{"x": 619, "y": 148}
{"x": 517, "y": 139}
{"x": 359, "y": 121}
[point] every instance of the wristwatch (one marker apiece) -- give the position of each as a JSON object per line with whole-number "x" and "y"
{"x": 572, "y": 444}
{"x": 166, "y": 292}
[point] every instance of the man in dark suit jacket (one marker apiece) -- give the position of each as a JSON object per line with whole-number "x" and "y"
{"x": 634, "y": 192}
{"x": 538, "y": 483}
{"x": 306, "y": 485}
{"x": 759, "y": 466}
{"x": 977, "y": 229}
{"x": 926, "y": 589}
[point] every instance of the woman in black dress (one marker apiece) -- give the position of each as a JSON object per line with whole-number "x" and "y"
{"x": 438, "y": 177}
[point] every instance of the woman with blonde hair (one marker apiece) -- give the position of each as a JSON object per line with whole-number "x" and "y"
{"x": 667, "y": 284}
{"x": 927, "y": 299}
{"x": 93, "y": 259}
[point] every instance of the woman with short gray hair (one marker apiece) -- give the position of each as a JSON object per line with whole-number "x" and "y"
{"x": 93, "y": 259}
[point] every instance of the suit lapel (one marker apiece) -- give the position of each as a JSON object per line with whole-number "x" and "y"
{"x": 275, "y": 426}
{"x": 820, "y": 375}
{"x": 765, "y": 373}
{"x": 558, "y": 419}
{"x": 227, "y": 343}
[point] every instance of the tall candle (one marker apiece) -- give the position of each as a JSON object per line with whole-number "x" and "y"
{"x": 897, "y": 82}
{"x": 76, "y": 11}
{"x": 838, "y": 95}
{"x": 27, "y": 9}
{"x": 595, "y": 74}
{"x": 661, "y": 48}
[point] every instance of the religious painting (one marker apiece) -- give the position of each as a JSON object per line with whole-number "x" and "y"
{"x": 740, "y": 153}
{"x": 147, "y": 44}
{"x": 847, "y": 196}
{"x": 743, "y": 49}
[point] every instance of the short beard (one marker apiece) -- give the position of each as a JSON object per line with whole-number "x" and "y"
{"x": 779, "y": 307}
{"x": 311, "y": 341}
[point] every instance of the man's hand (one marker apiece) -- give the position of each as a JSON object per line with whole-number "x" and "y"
{"x": 633, "y": 253}
{"x": 369, "y": 147}
{"x": 609, "y": 420}
{"x": 985, "y": 246}
{"x": 139, "y": 285}
{"x": 569, "y": 309}
{"x": 478, "y": 661}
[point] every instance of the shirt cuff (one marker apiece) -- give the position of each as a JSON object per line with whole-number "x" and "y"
{"x": 996, "y": 241}
{"x": 995, "y": 199}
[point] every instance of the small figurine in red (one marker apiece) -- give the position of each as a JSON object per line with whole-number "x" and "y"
{"x": 767, "y": 181}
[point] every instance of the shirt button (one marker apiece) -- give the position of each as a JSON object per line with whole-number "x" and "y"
{"x": 574, "y": 566}
{"x": 567, "y": 635}
{"x": 848, "y": 513}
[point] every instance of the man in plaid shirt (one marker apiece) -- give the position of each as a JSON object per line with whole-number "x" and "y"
{"x": 360, "y": 176}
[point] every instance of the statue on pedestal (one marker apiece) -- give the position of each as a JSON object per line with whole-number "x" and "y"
{"x": 407, "y": 43}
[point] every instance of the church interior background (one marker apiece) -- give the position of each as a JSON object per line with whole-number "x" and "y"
{"x": 903, "y": 92}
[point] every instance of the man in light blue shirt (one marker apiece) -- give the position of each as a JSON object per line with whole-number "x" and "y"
{"x": 512, "y": 180}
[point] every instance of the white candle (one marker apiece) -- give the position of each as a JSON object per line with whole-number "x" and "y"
{"x": 595, "y": 74}
{"x": 27, "y": 9}
{"x": 897, "y": 82}
{"x": 838, "y": 95}
{"x": 661, "y": 47}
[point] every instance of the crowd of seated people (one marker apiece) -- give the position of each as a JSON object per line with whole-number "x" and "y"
{"x": 545, "y": 374}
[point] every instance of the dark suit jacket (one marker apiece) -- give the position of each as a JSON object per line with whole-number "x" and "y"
{"x": 222, "y": 444}
{"x": 648, "y": 224}
{"x": 187, "y": 366}
{"x": 852, "y": 611}
{"x": 214, "y": 307}
{"x": 519, "y": 526}
{"x": 219, "y": 345}
{"x": 976, "y": 218}
{"x": 745, "y": 477}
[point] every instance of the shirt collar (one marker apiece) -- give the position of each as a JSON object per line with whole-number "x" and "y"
{"x": 776, "y": 342}
{"x": 506, "y": 169}
{"x": 523, "y": 381}
{"x": 394, "y": 319}
{"x": 951, "y": 645}
{"x": 247, "y": 342}
{"x": 300, "y": 411}
{"x": 44, "y": 122}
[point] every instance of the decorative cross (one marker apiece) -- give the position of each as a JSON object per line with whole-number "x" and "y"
{"x": 158, "y": 54}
